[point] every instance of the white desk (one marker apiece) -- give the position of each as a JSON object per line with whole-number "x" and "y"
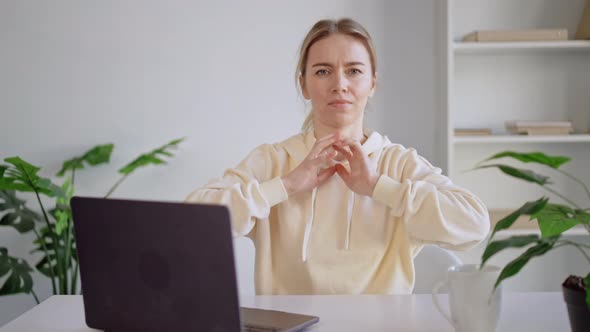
{"x": 521, "y": 312}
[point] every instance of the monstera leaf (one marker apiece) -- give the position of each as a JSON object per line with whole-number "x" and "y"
{"x": 19, "y": 274}
{"x": 17, "y": 214}
{"x": 99, "y": 154}
{"x": 22, "y": 176}
{"x": 153, "y": 157}
{"x": 55, "y": 251}
{"x": 62, "y": 213}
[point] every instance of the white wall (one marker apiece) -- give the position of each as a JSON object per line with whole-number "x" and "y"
{"x": 74, "y": 74}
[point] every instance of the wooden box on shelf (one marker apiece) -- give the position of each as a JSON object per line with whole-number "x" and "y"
{"x": 516, "y": 35}
{"x": 473, "y": 131}
{"x": 540, "y": 127}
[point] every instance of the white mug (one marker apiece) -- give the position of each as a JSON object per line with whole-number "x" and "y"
{"x": 475, "y": 306}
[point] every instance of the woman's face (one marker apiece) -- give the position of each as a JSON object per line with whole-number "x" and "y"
{"x": 338, "y": 80}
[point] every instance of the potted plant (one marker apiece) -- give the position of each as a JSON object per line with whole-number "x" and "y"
{"x": 53, "y": 229}
{"x": 552, "y": 219}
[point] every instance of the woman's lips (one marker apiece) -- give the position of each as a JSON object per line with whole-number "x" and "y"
{"x": 340, "y": 103}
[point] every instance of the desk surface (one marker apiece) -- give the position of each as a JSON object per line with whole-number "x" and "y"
{"x": 371, "y": 313}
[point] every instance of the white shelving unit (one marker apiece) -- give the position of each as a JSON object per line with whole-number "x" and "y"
{"x": 490, "y": 83}
{"x": 461, "y": 48}
{"x": 580, "y": 138}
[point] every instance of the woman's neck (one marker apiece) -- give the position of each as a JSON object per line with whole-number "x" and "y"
{"x": 351, "y": 132}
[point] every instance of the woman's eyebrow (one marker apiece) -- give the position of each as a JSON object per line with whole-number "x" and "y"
{"x": 348, "y": 64}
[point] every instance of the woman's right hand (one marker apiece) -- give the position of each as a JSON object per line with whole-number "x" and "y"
{"x": 313, "y": 171}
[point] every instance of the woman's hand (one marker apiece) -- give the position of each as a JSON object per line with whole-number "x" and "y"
{"x": 315, "y": 169}
{"x": 362, "y": 179}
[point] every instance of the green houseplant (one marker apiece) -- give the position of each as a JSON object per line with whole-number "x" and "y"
{"x": 53, "y": 228}
{"x": 552, "y": 219}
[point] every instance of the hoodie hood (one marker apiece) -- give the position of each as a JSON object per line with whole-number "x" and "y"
{"x": 298, "y": 148}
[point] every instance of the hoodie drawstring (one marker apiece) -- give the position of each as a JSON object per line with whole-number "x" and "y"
{"x": 309, "y": 224}
{"x": 308, "y": 227}
{"x": 349, "y": 224}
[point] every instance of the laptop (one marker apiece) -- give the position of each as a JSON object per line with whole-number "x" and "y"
{"x": 161, "y": 266}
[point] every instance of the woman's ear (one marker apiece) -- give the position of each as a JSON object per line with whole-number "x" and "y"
{"x": 373, "y": 85}
{"x": 303, "y": 87}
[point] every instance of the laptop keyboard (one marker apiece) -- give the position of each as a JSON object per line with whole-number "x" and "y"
{"x": 256, "y": 328}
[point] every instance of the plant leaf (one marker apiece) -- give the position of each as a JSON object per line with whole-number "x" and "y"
{"x": 22, "y": 176}
{"x": 55, "y": 251}
{"x": 23, "y": 166}
{"x": 72, "y": 164}
{"x": 22, "y": 225}
{"x": 46, "y": 186}
{"x": 151, "y": 157}
{"x": 533, "y": 157}
{"x": 523, "y": 174}
{"x": 62, "y": 219}
{"x": 99, "y": 154}
{"x": 517, "y": 241}
{"x": 18, "y": 215}
{"x": 512, "y": 268}
{"x": 555, "y": 219}
{"x": 68, "y": 189}
{"x": 529, "y": 208}
{"x": 10, "y": 184}
{"x": 19, "y": 274}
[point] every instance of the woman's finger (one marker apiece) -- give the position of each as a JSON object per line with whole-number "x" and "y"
{"x": 319, "y": 146}
{"x": 355, "y": 145}
{"x": 347, "y": 154}
{"x": 322, "y": 148}
{"x": 326, "y": 174}
{"x": 326, "y": 155}
{"x": 358, "y": 147}
{"x": 343, "y": 173}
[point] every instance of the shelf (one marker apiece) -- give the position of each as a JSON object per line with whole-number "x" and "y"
{"x": 575, "y": 138}
{"x": 520, "y": 47}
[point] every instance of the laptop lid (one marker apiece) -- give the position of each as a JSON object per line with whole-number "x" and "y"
{"x": 156, "y": 266}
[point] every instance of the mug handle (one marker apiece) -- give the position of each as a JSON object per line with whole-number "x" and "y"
{"x": 435, "y": 293}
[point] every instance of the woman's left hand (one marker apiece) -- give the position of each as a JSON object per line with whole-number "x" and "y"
{"x": 362, "y": 178}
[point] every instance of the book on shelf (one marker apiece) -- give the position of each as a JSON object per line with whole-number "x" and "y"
{"x": 540, "y": 127}
{"x": 473, "y": 131}
{"x": 516, "y": 35}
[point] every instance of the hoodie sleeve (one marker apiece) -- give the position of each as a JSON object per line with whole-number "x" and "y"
{"x": 433, "y": 208}
{"x": 247, "y": 190}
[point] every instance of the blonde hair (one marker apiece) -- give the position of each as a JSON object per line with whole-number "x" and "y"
{"x": 323, "y": 29}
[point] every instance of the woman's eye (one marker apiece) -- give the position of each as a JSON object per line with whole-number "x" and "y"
{"x": 322, "y": 72}
{"x": 355, "y": 71}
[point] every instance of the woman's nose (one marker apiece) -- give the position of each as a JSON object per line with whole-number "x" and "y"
{"x": 340, "y": 83}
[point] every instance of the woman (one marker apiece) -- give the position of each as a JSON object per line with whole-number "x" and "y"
{"x": 337, "y": 209}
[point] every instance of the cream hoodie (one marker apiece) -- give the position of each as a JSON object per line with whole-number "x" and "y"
{"x": 333, "y": 241}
